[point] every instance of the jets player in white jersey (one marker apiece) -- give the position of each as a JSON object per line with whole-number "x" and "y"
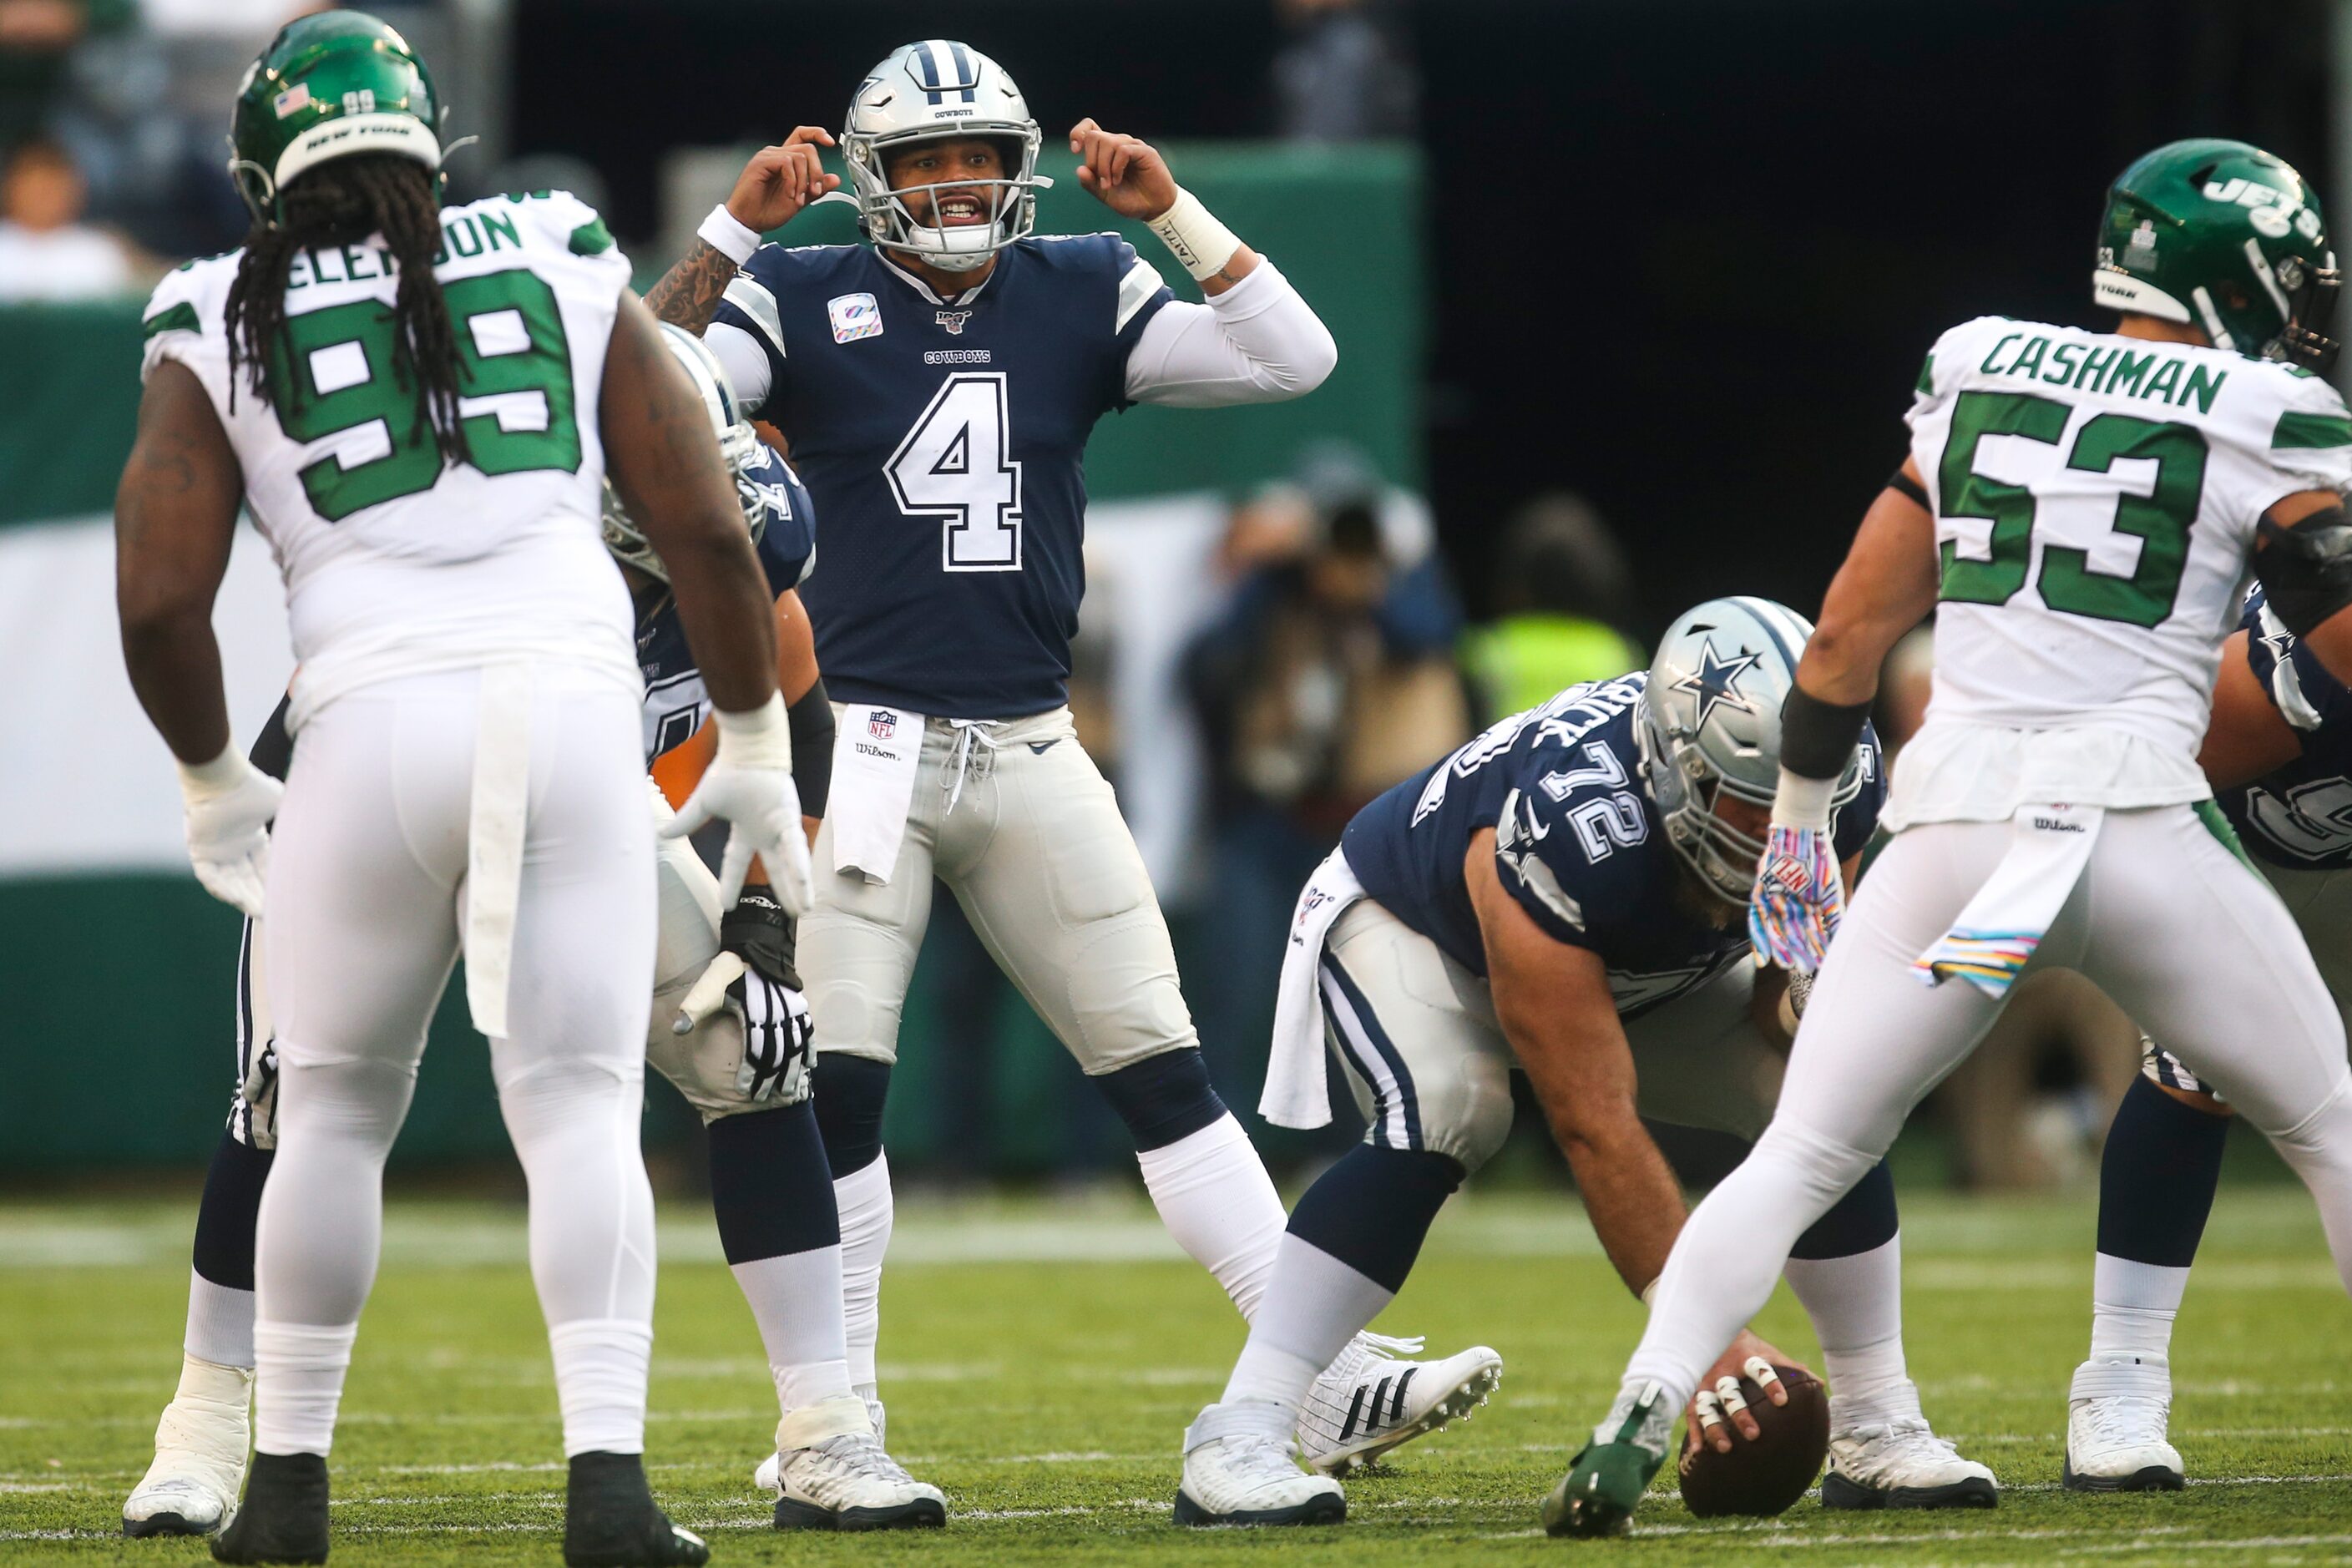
{"x": 2080, "y": 508}
{"x": 419, "y": 407}
{"x": 937, "y": 387}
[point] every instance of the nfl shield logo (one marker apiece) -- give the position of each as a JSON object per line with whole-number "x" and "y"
{"x": 952, "y": 321}
{"x": 881, "y": 723}
{"x": 854, "y": 316}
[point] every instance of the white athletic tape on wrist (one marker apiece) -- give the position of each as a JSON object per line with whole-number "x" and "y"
{"x": 201, "y": 780}
{"x": 1802, "y": 801}
{"x": 1201, "y": 244}
{"x": 761, "y": 737}
{"x": 725, "y": 235}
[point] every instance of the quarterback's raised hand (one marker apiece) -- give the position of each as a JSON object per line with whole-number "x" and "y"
{"x": 755, "y": 971}
{"x": 229, "y": 803}
{"x": 1800, "y": 896}
{"x": 781, "y": 180}
{"x": 750, "y": 784}
{"x": 1126, "y": 173}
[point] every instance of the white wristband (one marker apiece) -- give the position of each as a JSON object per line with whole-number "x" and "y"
{"x": 1649, "y": 1292}
{"x": 1201, "y": 244}
{"x": 762, "y": 737}
{"x": 1802, "y": 801}
{"x": 200, "y": 781}
{"x": 729, "y": 239}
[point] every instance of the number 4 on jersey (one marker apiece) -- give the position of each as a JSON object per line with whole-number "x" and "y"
{"x": 956, "y": 464}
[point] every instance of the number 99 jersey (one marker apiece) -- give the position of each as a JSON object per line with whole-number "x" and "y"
{"x": 394, "y": 562}
{"x": 2096, "y": 500}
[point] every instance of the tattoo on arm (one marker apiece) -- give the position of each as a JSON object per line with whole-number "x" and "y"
{"x": 690, "y": 292}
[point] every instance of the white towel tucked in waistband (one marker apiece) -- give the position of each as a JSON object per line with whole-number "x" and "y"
{"x": 1990, "y": 944}
{"x": 873, "y": 763}
{"x": 498, "y": 816}
{"x": 1295, "y": 1088}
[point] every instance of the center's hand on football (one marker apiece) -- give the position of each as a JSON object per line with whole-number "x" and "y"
{"x": 1126, "y": 173}
{"x": 1720, "y": 1407}
{"x": 781, "y": 180}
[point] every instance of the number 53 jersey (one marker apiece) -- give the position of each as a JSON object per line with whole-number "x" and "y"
{"x": 394, "y": 563}
{"x": 2095, "y": 503}
{"x": 944, "y": 442}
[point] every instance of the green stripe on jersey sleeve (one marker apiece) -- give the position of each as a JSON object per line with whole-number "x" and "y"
{"x": 1926, "y": 386}
{"x": 592, "y": 238}
{"x": 180, "y": 318}
{"x": 2311, "y": 430}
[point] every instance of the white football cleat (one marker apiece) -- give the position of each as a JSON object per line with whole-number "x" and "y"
{"x": 2115, "y": 1417}
{"x": 1369, "y": 1401}
{"x": 1238, "y": 1469}
{"x": 834, "y": 1475}
{"x": 766, "y": 1475}
{"x": 1883, "y": 1454}
{"x": 200, "y": 1447}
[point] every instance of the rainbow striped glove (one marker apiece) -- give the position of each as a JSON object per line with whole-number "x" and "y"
{"x": 1800, "y": 896}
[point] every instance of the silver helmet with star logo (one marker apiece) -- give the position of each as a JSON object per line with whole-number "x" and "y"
{"x": 1710, "y": 727}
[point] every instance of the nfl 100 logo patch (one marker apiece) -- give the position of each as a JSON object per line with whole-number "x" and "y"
{"x": 881, "y": 723}
{"x": 854, "y": 316}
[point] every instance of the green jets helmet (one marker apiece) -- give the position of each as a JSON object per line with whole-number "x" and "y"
{"x": 328, "y": 86}
{"x": 2221, "y": 236}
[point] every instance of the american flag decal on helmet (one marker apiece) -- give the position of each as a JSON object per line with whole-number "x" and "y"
{"x": 942, "y": 68}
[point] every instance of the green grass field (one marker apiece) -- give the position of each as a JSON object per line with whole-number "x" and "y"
{"x": 1040, "y": 1364}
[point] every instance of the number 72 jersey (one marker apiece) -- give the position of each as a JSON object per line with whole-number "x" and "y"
{"x": 2095, "y": 503}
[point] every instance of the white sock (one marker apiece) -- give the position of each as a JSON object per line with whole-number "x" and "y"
{"x": 600, "y": 1382}
{"x": 220, "y": 1323}
{"x": 796, "y": 1299}
{"x": 2133, "y": 1306}
{"x": 1313, "y": 1306}
{"x": 1856, "y": 1306}
{"x": 297, "y": 1383}
{"x": 864, "y": 1199}
{"x": 1217, "y": 1200}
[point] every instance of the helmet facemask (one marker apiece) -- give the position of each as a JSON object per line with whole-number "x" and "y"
{"x": 1686, "y": 786}
{"x": 2312, "y": 292}
{"x": 1010, "y": 199}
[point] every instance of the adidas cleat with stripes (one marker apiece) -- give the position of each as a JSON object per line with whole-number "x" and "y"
{"x": 1238, "y": 1469}
{"x": 1370, "y": 1400}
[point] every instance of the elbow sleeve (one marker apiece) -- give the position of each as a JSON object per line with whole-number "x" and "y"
{"x": 810, "y": 722}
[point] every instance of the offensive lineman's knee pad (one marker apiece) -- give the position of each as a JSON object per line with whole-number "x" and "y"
{"x": 1163, "y": 1099}
{"x": 850, "y": 1092}
{"x": 1466, "y": 1112}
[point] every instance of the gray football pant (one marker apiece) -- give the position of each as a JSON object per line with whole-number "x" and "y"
{"x": 1035, "y": 851}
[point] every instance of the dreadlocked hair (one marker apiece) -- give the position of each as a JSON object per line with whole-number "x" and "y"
{"x": 342, "y": 203}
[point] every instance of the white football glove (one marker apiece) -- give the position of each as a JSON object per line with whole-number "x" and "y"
{"x": 750, "y": 784}
{"x": 230, "y": 804}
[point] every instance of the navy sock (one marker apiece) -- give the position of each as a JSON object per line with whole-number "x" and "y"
{"x": 1373, "y": 1209}
{"x": 850, "y": 1094}
{"x": 226, "y": 1216}
{"x": 769, "y": 1186}
{"x": 1164, "y": 1098}
{"x": 1862, "y": 1220}
{"x": 2157, "y": 1177}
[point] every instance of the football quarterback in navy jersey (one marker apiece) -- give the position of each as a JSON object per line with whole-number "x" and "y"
{"x": 936, "y": 387}
{"x": 729, "y": 1028}
{"x": 2278, "y": 751}
{"x": 1566, "y": 897}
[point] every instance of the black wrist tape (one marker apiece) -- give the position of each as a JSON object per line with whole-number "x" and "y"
{"x": 1818, "y": 738}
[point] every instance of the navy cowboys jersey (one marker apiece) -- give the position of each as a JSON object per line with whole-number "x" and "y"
{"x": 945, "y": 440}
{"x": 675, "y": 702}
{"x": 1577, "y": 842}
{"x": 2299, "y": 817}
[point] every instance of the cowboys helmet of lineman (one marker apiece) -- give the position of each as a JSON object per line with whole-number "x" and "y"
{"x": 936, "y": 385}
{"x": 2079, "y": 508}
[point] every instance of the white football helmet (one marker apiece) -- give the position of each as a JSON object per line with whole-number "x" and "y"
{"x": 927, "y": 92}
{"x": 1710, "y": 722}
{"x": 738, "y": 444}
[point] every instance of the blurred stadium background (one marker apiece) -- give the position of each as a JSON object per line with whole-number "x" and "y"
{"x": 1629, "y": 295}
